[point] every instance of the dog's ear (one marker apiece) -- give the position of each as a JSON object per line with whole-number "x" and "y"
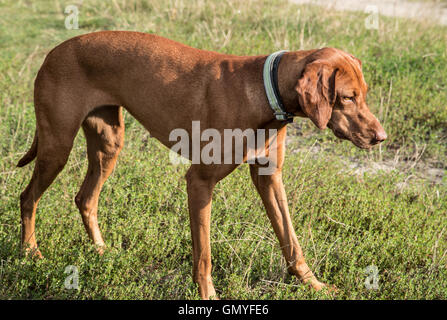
{"x": 316, "y": 92}
{"x": 357, "y": 60}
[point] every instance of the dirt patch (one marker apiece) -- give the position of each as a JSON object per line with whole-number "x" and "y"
{"x": 429, "y": 11}
{"x": 413, "y": 169}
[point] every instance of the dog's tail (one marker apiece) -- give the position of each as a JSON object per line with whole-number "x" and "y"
{"x": 30, "y": 155}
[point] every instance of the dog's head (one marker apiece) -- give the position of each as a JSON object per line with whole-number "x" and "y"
{"x": 332, "y": 93}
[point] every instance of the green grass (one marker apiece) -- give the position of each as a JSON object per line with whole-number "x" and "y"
{"x": 344, "y": 221}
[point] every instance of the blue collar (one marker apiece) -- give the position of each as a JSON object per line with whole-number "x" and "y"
{"x": 270, "y": 74}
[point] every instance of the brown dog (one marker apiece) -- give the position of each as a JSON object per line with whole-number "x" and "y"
{"x": 165, "y": 85}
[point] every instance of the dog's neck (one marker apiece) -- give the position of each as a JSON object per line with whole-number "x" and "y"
{"x": 289, "y": 71}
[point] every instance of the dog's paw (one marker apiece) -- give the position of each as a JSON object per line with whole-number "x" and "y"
{"x": 321, "y": 286}
{"x": 207, "y": 292}
{"x": 331, "y": 288}
{"x": 33, "y": 253}
{"x": 317, "y": 285}
{"x": 100, "y": 249}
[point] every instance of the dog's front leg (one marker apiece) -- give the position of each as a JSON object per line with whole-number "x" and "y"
{"x": 200, "y": 190}
{"x": 272, "y": 192}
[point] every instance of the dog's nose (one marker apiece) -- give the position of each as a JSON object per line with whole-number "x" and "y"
{"x": 381, "y": 135}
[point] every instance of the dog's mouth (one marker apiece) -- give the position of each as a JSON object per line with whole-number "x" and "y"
{"x": 356, "y": 139}
{"x": 338, "y": 132}
{"x": 363, "y": 142}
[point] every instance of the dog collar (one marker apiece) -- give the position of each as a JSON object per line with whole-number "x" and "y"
{"x": 270, "y": 74}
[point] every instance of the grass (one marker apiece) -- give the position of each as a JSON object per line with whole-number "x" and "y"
{"x": 345, "y": 220}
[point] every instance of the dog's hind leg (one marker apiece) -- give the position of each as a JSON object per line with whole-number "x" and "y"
{"x": 104, "y": 132}
{"x": 53, "y": 148}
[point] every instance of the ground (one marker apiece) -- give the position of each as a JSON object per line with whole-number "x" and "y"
{"x": 352, "y": 210}
{"x": 434, "y": 11}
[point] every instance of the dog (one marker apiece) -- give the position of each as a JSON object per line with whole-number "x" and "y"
{"x": 87, "y": 80}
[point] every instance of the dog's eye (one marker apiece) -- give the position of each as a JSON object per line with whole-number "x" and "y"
{"x": 346, "y": 98}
